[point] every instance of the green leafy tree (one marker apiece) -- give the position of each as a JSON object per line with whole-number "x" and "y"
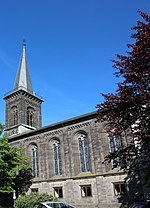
{"x": 13, "y": 167}
{"x": 128, "y": 109}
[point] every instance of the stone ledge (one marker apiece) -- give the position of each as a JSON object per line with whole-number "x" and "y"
{"x": 79, "y": 176}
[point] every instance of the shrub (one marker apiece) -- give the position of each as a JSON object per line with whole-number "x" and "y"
{"x": 32, "y": 200}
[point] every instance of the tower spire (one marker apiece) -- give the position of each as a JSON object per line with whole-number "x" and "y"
{"x": 23, "y": 106}
{"x": 23, "y": 80}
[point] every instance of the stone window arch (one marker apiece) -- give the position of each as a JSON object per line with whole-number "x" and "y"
{"x": 34, "y": 159}
{"x": 30, "y": 116}
{"x": 14, "y": 111}
{"x": 83, "y": 152}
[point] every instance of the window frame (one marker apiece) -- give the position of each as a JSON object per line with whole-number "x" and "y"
{"x": 57, "y": 190}
{"x": 85, "y": 191}
{"x": 84, "y": 154}
{"x": 35, "y": 160}
{"x": 122, "y": 191}
{"x": 57, "y": 157}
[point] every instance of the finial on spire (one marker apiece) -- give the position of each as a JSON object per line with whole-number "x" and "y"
{"x": 24, "y": 44}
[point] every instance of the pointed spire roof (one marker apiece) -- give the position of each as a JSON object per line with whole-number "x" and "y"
{"x": 23, "y": 80}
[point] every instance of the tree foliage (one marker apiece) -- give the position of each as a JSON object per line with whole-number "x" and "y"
{"x": 12, "y": 162}
{"x": 32, "y": 200}
{"x": 128, "y": 109}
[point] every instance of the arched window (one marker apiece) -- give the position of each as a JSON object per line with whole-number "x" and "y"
{"x": 15, "y": 115}
{"x": 34, "y": 159}
{"x": 57, "y": 158}
{"x": 114, "y": 145}
{"x": 84, "y": 153}
{"x": 30, "y": 114}
{"x": 114, "y": 142}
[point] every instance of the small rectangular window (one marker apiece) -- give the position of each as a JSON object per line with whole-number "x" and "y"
{"x": 34, "y": 190}
{"x": 86, "y": 191}
{"x": 58, "y": 192}
{"x": 119, "y": 189}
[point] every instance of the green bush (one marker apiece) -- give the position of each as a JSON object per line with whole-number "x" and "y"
{"x": 32, "y": 200}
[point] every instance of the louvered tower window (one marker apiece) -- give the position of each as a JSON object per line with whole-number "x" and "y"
{"x": 57, "y": 158}
{"x": 84, "y": 153}
{"x": 15, "y": 115}
{"x": 30, "y": 114}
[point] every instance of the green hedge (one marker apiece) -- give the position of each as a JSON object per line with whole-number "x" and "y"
{"x": 32, "y": 200}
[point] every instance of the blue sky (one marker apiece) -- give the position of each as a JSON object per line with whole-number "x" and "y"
{"x": 70, "y": 45}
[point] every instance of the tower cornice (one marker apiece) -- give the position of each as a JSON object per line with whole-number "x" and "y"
{"x": 14, "y": 93}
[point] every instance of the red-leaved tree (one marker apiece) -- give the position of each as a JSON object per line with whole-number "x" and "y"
{"x": 128, "y": 109}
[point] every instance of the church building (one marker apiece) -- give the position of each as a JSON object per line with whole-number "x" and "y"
{"x": 66, "y": 156}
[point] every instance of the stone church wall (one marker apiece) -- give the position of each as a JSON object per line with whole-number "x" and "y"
{"x": 102, "y": 191}
{"x": 72, "y": 179}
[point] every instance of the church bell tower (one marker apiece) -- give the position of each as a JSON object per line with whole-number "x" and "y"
{"x": 23, "y": 105}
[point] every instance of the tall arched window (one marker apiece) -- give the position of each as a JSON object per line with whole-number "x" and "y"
{"x": 30, "y": 114}
{"x": 15, "y": 115}
{"x": 34, "y": 158}
{"x": 84, "y": 153}
{"x": 114, "y": 145}
{"x": 57, "y": 158}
